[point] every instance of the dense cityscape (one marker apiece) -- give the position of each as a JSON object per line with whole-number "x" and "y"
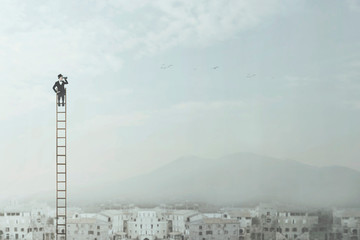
{"x": 182, "y": 221}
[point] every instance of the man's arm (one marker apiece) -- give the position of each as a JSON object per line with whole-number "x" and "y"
{"x": 65, "y": 81}
{"x": 54, "y": 87}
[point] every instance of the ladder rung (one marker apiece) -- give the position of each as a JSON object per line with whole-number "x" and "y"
{"x": 61, "y": 146}
{"x": 60, "y": 206}
{"x": 61, "y": 137}
{"x": 61, "y": 172}
{"x": 61, "y": 181}
{"x": 60, "y": 112}
{"x": 60, "y": 128}
{"x": 61, "y": 190}
{"x": 61, "y": 120}
{"x": 61, "y": 155}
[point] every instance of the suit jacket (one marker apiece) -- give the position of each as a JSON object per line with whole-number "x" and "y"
{"x": 60, "y": 87}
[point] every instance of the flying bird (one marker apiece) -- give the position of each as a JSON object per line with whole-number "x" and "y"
{"x": 216, "y": 67}
{"x": 165, "y": 67}
{"x": 251, "y": 75}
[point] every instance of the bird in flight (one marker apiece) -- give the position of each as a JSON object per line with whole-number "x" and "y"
{"x": 216, "y": 67}
{"x": 166, "y": 66}
{"x": 251, "y": 75}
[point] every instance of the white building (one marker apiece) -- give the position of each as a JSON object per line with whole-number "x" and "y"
{"x": 178, "y": 222}
{"x": 118, "y": 219}
{"x": 349, "y": 221}
{"x": 88, "y": 227}
{"x": 214, "y": 229}
{"x": 147, "y": 225}
{"x": 22, "y": 224}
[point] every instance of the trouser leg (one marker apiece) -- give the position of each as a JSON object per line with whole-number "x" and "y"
{"x": 61, "y": 97}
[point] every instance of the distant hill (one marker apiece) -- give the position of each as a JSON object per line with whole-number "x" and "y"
{"x": 242, "y": 178}
{"x": 234, "y": 179}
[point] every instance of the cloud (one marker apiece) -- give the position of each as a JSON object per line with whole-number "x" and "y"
{"x": 354, "y": 5}
{"x": 166, "y": 24}
{"x": 21, "y": 98}
{"x": 210, "y": 105}
{"x": 95, "y": 38}
{"x": 354, "y": 104}
{"x": 113, "y": 121}
{"x": 88, "y": 40}
{"x": 243, "y": 104}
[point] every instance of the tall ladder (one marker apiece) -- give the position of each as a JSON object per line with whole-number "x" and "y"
{"x": 61, "y": 203}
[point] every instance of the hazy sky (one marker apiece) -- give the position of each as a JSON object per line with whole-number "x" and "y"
{"x": 127, "y": 116}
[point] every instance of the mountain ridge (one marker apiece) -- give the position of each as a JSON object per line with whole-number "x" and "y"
{"x": 261, "y": 178}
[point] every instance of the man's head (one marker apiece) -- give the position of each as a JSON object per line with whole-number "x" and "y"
{"x": 60, "y": 77}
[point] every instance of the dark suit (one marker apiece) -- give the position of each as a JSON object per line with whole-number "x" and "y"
{"x": 61, "y": 91}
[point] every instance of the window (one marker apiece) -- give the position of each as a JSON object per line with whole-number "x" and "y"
{"x": 208, "y": 232}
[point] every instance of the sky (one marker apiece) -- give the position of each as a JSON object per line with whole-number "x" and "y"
{"x": 286, "y": 85}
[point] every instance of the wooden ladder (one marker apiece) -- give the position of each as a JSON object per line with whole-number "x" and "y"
{"x": 61, "y": 178}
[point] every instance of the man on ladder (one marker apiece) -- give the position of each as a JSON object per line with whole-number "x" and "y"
{"x": 59, "y": 88}
{"x": 61, "y": 160}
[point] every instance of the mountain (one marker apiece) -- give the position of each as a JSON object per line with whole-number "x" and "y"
{"x": 345, "y": 150}
{"x": 241, "y": 178}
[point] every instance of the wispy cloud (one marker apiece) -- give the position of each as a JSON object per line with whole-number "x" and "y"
{"x": 354, "y": 5}
{"x": 19, "y": 99}
{"x": 355, "y": 104}
{"x": 93, "y": 38}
